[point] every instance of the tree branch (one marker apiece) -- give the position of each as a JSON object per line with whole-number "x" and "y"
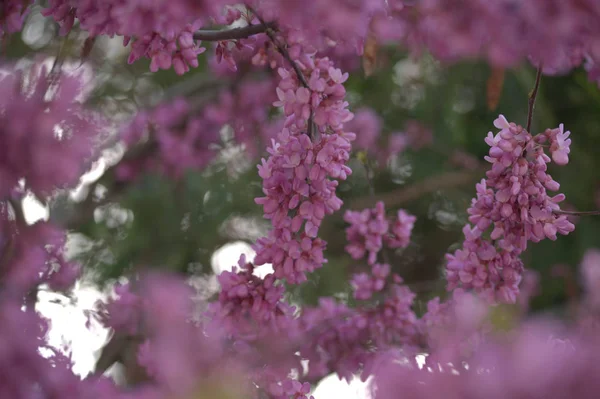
{"x": 269, "y": 30}
{"x": 232, "y": 34}
{"x": 417, "y": 190}
{"x": 578, "y": 213}
{"x": 533, "y": 96}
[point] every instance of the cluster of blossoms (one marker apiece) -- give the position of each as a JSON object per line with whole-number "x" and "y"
{"x": 340, "y": 338}
{"x": 298, "y": 177}
{"x": 369, "y": 229}
{"x": 298, "y": 182}
{"x": 46, "y": 134}
{"x": 21, "y": 336}
{"x": 12, "y": 14}
{"x": 503, "y": 32}
{"x": 540, "y": 360}
{"x": 180, "y": 52}
{"x": 160, "y": 31}
{"x": 237, "y": 336}
{"x": 470, "y": 357}
{"x": 154, "y": 312}
{"x": 342, "y": 32}
{"x": 243, "y": 294}
{"x": 33, "y": 255}
{"x": 47, "y": 139}
{"x": 173, "y": 138}
{"x": 164, "y": 32}
{"x": 514, "y": 203}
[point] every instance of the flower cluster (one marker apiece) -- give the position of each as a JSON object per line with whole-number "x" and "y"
{"x": 365, "y": 285}
{"x": 245, "y": 300}
{"x": 539, "y": 360}
{"x": 341, "y": 339}
{"x": 12, "y": 14}
{"x": 451, "y": 30}
{"x": 180, "y": 51}
{"x": 369, "y": 229}
{"x": 154, "y": 312}
{"x": 173, "y": 138}
{"x": 298, "y": 177}
{"x": 161, "y": 31}
{"x": 513, "y": 202}
{"x": 344, "y": 340}
{"x": 47, "y": 138}
{"x": 503, "y": 32}
{"x": 34, "y": 255}
{"x": 343, "y": 30}
{"x": 22, "y": 338}
{"x": 122, "y": 313}
{"x": 46, "y": 134}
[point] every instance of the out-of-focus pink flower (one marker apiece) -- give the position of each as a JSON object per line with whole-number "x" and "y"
{"x": 46, "y": 140}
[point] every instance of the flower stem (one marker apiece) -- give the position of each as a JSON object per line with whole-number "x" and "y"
{"x": 533, "y": 96}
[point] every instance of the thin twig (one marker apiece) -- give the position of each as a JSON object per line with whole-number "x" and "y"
{"x": 578, "y": 213}
{"x": 312, "y": 129}
{"x": 532, "y": 97}
{"x": 368, "y": 172}
{"x": 232, "y": 34}
{"x": 281, "y": 48}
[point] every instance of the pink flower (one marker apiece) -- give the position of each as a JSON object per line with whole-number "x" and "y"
{"x": 560, "y": 145}
{"x": 514, "y": 203}
{"x": 46, "y": 140}
{"x": 370, "y": 228}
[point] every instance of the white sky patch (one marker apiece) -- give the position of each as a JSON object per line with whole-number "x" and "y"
{"x": 226, "y": 257}
{"x": 331, "y": 387}
{"x": 34, "y": 210}
{"x": 69, "y": 329}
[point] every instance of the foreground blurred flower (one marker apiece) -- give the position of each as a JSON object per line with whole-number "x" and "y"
{"x": 46, "y": 134}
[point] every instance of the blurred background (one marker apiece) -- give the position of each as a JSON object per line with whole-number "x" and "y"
{"x": 435, "y": 117}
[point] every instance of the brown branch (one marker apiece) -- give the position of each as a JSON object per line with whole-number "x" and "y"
{"x": 417, "y": 190}
{"x": 578, "y": 213}
{"x": 533, "y": 96}
{"x": 232, "y": 34}
{"x": 280, "y": 47}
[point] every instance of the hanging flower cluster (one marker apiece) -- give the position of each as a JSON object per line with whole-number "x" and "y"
{"x": 514, "y": 204}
